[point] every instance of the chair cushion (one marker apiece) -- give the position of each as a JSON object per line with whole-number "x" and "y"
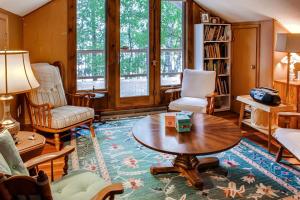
{"x": 198, "y": 84}
{"x": 290, "y": 139}
{"x": 11, "y": 156}
{"x": 51, "y": 88}
{"x": 197, "y": 105}
{"x": 65, "y": 116}
{"x": 81, "y": 184}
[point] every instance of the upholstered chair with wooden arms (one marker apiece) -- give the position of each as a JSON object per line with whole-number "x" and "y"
{"x": 196, "y": 94}
{"x": 16, "y": 183}
{"x": 48, "y": 107}
{"x": 288, "y": 138}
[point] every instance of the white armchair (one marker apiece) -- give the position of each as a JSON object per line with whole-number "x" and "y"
{"x": 196, "y": 94}
{"x": 288, "y": 138}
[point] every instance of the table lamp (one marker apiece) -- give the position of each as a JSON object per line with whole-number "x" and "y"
{"x": 289, "y": 43}
{"x": 16, "y": 77}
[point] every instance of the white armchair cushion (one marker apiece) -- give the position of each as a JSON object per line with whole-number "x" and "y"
{"x": 51, "y": 88}
{"x": 290, "y": 139}
{"x": 198, "y": 84}
{"x": 65, "y": 116}
{"x": 197, "y": 105}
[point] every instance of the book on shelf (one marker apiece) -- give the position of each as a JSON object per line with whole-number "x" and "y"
{"x": 219, "y": 66}
{"x": 222, "y": 86}
{"x": 216, "y": 33}
{"x": 217, "y": 50}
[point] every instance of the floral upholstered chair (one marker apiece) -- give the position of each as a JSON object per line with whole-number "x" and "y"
{"x": 48, "y": 108}
{"x": 15, "y": 182}
{"x": 196, "y": 94}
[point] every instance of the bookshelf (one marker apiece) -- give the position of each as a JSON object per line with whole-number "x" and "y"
{"x": 213, "y": 53}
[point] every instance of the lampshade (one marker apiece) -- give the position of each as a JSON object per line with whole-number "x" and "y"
{"x": 288, "y": 42}
{"x": 16, "y": 75}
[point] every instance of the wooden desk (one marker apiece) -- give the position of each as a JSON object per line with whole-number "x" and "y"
{"x": 271, "y": 110}
{"x": 30, "y": 148}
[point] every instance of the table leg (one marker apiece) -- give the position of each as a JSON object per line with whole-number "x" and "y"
{"x": 242, "y": 111}
{"x": 269, "y": 130}
{"x": 189, "y": 167}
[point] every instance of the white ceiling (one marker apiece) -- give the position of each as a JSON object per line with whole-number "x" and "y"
{"x": 21, "y": 7}
{"x": 287, "y": 12}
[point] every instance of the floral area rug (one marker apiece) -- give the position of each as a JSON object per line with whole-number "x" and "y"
{"x": 117, "y": 157}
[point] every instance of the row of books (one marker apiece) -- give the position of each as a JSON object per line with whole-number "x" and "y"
{"x": 220, "y": 66}
{"x": 218, "y": 50}
{"x": 216, "y": 33}
{"x": 222, "y": 86}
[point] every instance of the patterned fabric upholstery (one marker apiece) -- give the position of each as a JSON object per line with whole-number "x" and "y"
{"x": 79, "y": 184}
{"x": 11, "y": 162}
{"x": 65, "y": 116}
{"x": 51, "y": 88}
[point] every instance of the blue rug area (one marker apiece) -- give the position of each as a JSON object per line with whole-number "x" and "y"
{"x": 117, "y": 157}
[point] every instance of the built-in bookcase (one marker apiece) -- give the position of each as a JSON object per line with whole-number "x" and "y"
{"x": 212, "y": 53}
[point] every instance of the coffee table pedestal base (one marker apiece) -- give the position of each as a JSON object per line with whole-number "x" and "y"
{"x": 189, "y": 167}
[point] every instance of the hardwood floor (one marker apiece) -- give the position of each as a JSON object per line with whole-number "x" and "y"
{"x": 249, "y": 133}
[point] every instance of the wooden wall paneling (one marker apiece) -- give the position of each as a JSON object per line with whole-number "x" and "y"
{"x": 46, "y": 35}
{"x": 4, "y": 34}
{"x": 15, "y": 30}
{"x": 266, "y": 53}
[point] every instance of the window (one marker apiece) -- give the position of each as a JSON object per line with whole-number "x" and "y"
{"x": 171, "y": 41}
{"x": 91, "y": 70}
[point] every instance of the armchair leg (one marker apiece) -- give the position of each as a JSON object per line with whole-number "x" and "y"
{"x": 279, "y": 154}
{"x": 92, "y": 129}
{"x": 57, "y": 141}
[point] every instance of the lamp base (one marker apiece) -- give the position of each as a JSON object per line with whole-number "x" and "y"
{"x": 7, "y": 121}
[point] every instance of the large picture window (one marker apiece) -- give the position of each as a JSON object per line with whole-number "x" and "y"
{"x": 171, "y": 41}
{"x": 91, "y": 70}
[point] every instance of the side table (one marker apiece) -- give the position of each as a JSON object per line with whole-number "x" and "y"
{"x": 271, "y": 110}
{"x": 30, "y": 148}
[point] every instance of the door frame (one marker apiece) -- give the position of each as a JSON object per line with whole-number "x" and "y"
{"x": 148, "y": 100}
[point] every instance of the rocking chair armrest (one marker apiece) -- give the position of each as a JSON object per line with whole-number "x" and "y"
{"x": 81, "y": 99}
{"x": 172, "y": 90}
{"x": 48, "y": 157}
{"x": 109, "y": 191}
{"x": 174, "y": 93}
{"x": 41, "y": 107}
{"x": 288, "y": 114}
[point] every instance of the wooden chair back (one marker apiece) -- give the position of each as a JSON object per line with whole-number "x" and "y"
{"x": 25, "y": 187}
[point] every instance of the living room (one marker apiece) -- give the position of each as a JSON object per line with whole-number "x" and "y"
{"x": 149, "y": 99}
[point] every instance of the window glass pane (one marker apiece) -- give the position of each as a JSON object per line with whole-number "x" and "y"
{"x": 90, "y": 44}
{"x": 171, "y": 41}
{"x": 134, "y": 42}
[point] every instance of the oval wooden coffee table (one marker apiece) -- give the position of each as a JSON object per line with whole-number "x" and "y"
{"x": 209, "y": 135}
